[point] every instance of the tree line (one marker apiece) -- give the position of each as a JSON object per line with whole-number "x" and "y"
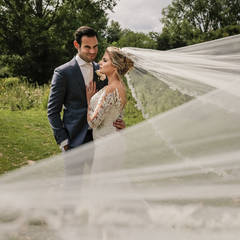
{"x": 185, "y": 22}
{"x": 37, "y": 35}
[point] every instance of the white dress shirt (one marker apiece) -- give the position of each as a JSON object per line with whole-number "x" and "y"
{"x": 86, "y": 69}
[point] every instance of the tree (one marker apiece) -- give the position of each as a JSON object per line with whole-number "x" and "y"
{"x": 162, "y": 40}
{"x": 136, "y": 39}
{"x": 203, "y": 15}
{"x": 113, "y": 32}
{"x": 37, "y": 35}
{"x": 183, "y": 20}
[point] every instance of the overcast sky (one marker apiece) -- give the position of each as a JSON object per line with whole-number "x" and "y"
{"x": 139, "y": 15}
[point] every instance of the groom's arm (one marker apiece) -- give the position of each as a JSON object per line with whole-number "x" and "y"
{"x": 55, "y": 104}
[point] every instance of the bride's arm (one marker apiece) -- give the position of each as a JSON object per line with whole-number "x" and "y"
{"x": 96, "y": 115}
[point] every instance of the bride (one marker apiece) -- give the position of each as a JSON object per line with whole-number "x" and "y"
{"x": 106, "y": 105}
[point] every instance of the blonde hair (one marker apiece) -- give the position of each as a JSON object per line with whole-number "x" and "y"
{"x": 122, "y": 62}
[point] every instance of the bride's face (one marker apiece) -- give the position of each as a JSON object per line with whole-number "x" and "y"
{"x": 106, "y": 65}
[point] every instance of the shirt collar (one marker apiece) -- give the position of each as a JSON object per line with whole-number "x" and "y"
{"x": 81, "y": 62}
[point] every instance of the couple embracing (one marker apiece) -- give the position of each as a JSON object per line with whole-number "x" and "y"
{"x": 92, "y": 108}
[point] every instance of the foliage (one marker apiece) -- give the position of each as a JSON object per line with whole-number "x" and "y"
{"x": 17, "y": 94}
{"x": 135, "y": 39}
{"x": 202, "y": 15}
{"x": 10, "y": 82}
{"x": 187, "y": 22}
{"x": 220, "y": 33}
{"x": 37, "y": 35}
{"x": 119, "y": 37}
{"x": 166, "y": 40}
{"x": 4, "y": 70}
{"x": 113, "y": 32}
{"x": 162, "y": 40}
{"x": 7, "y": 64}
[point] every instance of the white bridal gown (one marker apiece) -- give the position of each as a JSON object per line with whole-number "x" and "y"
{"x": 105, "y": 108}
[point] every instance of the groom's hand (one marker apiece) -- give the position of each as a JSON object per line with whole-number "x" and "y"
{"x": 66, "y": 147}
{"x": 119, "y": 124}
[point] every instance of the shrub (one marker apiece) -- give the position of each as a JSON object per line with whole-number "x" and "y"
{"x": 10, "y": 82}
{"x": 17, "y": 94}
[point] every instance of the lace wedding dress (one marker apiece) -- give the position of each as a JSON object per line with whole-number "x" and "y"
{"x": 105, "y": 108}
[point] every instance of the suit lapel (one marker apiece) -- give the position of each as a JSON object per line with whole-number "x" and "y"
{"x": 79, "y": 80}
{"x": 95, "y": 67}
{"x": 78, "y": 74}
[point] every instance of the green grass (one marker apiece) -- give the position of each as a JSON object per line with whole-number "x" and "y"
{"x": 25, "y": 131}
{"x": 25, "y": 135}
{"x": 132, "y": 115}
{"x": 154, "y": 95}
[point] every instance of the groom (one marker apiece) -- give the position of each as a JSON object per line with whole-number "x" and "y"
{"x": 68, "y": 91}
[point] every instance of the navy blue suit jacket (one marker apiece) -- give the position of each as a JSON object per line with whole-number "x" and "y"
{"x": 68, "y": 91}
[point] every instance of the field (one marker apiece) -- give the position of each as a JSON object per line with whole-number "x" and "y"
{"x": 25, "y": 132}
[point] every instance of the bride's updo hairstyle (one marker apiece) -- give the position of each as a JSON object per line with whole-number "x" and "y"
{"x": 122, "y": 62}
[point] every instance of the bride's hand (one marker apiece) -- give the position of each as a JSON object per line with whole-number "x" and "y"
{"x": 90, "y": 90}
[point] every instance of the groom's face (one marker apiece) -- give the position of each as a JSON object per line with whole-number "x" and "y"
{"x": 88, "y": 49}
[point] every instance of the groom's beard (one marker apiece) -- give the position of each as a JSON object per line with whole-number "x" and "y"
{"x": 90, "y": 57}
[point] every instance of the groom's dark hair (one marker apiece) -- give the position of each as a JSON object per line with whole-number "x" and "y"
{"x": 84, "y": 31}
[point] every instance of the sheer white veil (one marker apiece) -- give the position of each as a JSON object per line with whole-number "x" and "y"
{"x": 174, "y": 176}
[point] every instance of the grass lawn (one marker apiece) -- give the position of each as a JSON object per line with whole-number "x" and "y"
{"x": 132, "y": 115}
{"x": 25, "y": 136}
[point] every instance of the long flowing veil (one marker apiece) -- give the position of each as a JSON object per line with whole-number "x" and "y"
{"x": 176, "y": 175}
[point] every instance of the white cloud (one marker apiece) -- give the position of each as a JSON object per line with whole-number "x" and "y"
{"x": 139, "y": 15}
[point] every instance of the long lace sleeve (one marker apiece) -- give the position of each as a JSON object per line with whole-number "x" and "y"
{"x": 97, "y": 113}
